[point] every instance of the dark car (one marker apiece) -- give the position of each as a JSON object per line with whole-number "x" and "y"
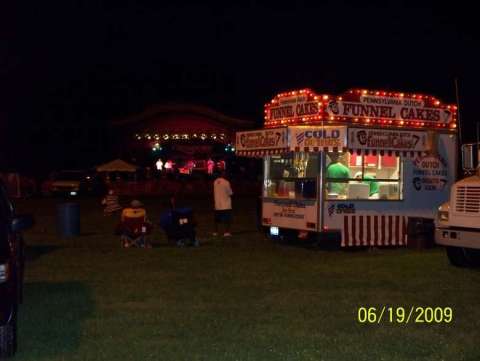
{"x": 73, "y": 183}
{"x": 11, "y": 271}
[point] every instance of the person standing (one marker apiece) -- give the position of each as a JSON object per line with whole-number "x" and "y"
{"x": 210, "y": 166}
{"x": 168, "y": 166}
{"x": 111, "y": 203}
{"x": 159, "y": 164}
{"x": 222, "y": 166}
{"x": 190, "y": 166}
{"x": 222, "y": 194}
{"x": 337, "y": 170}
{"x": 372, "y": 183}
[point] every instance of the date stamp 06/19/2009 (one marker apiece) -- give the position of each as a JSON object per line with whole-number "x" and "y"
{"x": 404, "y": 315}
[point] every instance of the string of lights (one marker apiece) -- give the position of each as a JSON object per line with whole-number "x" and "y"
{"x": 182, "y": 136}
{"x": 360, "y": 106}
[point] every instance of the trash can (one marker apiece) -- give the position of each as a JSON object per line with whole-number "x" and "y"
{"x": 420, "y": 233}
{"x": 68, "y": 219}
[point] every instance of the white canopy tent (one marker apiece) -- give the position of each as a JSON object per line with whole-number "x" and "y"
{"x": 117, "y": 165}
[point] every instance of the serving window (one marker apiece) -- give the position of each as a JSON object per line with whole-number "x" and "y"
{"x": 370, "y": 177}
{"x": 291, "y": 175}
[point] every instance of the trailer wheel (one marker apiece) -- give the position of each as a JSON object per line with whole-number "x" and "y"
{"x": 288, "y": 236}
{"x": 457, "y": 256}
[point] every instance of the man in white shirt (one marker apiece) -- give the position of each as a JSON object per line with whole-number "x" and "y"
{"x": 159, "y": 165}
{"x": 222, "y": 194}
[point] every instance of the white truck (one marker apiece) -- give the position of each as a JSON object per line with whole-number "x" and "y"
{"x": 457, "y": 225}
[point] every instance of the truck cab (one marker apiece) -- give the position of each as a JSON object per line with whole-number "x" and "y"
{"x": 457, "y": 225}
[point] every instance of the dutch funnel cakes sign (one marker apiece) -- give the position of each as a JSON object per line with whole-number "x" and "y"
{"x": 430, "y": 173}
{"x": 380, "y": 139}
{"x": 394, "y": 108}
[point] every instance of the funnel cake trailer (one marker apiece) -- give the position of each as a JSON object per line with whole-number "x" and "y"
{"x": 361, "y": 167}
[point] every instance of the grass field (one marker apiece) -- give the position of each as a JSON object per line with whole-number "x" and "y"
{"x": 238, "y": 299}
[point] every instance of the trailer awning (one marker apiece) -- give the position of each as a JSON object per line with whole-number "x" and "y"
{"x": 319, "y": 149}
{"x": 382, "y": 152}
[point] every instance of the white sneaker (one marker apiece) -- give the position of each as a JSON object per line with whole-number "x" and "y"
{"x": 227, "y": 234}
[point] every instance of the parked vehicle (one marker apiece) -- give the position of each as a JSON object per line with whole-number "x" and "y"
{"x": 73, "y": 183}
{"x": 11, "y": 271}
{"x": 458, "y": 220}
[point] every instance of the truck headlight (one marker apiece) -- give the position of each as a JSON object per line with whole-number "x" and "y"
{"x": 443, "y": 216}
{"x": 274, "y": 231}
{"x": 4, "y": 272}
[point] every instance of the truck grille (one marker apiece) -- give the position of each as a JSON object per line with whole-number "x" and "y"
{"x": 467, "y": 199}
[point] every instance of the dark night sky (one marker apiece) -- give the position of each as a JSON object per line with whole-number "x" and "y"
{"x": 88, "y": 62}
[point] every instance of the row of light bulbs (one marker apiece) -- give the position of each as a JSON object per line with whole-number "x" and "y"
{"x": 322, "y": 102}
{"x": 184, "y": 136}
{"x": 157, "y": 147}
{"x": 401, "y": 123}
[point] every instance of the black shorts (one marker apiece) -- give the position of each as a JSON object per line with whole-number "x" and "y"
{"x": 223, "y": 216}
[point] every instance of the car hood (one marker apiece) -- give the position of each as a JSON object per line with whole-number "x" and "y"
{"x": 65, "y": 183}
